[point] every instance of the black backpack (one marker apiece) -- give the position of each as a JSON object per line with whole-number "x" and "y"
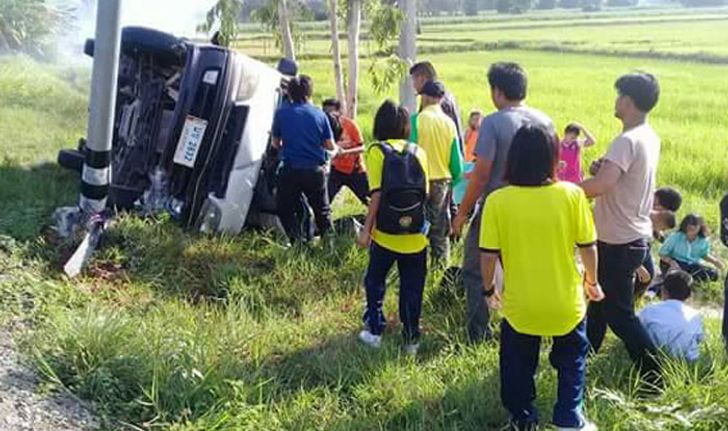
{"x": 403, "y": 191}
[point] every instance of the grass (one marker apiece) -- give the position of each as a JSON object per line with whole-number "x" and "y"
{"x": 174, "y": 330}
{"x": 701, "y": 37}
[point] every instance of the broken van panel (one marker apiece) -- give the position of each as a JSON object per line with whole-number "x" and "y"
{"x": 191, "y": 130}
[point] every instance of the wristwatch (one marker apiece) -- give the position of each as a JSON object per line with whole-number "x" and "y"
{"x": 489, "y": 293}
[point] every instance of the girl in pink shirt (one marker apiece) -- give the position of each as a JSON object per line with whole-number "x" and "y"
{"x": 570, "y": 165}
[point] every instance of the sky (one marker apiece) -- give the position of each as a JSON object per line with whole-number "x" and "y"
{"x": 179, "y": 17}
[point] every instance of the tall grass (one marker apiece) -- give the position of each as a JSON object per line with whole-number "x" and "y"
{"x": 174, "y": 330}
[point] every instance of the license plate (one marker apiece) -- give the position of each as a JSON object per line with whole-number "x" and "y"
{"x": 190, "y": 141}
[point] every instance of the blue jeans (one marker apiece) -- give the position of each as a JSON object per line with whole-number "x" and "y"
{"x": 412, "y": 273}
{"x": 518, "y": 363}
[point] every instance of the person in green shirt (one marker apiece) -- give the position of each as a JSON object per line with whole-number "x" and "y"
{"x": 532, "y": 226}
{"x": 436, "y": 133}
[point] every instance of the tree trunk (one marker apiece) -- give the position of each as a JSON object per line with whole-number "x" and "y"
{"x": 338, "y": 72}
{"x": 354, "y": 26}
{"x": 285, "y": 25}
{"x": 408, "y": 52}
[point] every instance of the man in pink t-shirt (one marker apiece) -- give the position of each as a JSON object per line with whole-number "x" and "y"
{"x": 571, "y": 145}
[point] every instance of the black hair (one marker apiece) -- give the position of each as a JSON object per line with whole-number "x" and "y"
{"x": 669, "y": 198}
{"x": 572, "y": 128}
{"x": 641, "y": 87}
{"x": 300, "y": 88}
{"x": 335, "y": 124}
{"x": 694, "y": 220}
{"x": 475, "y": 112}
{"x": 510, "y": 78}
{"x": 532, "y": 158}
{"x": 678, "y": 285}
{"x": 668, "y": 217}
{"x": 424, "y": 68}
{"x": 331, "y": 103}
{"x": 391, "y": 122}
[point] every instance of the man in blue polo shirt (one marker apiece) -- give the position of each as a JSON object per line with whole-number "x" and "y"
{"x": 303, "y": 134}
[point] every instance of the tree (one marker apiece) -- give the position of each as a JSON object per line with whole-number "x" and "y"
{"x": 514, "y": 6}
{"x": 353, "y": 30}
{"x": 546, "y": 4}
{"x": 470, "y": 7}
{"x": 287, "y": 37}
{"x": 336, "y": 52}
{"x": 384, "y": 19}
{"x": 408, "y": 51}
{"x": 569, "y": 4}
{"x": 703, "y": 3}
{"x": 27, "y": 26}
{"x": 622, "y": 3}
{"x": 225, "y": 14}
{"x": 591, "y": 5}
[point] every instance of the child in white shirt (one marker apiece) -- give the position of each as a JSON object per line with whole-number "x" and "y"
{"x": 671, "y": 324}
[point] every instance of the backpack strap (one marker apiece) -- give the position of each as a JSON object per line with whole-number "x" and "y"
{"x": 386, "y": 147}
{"x": 411, "y": 148}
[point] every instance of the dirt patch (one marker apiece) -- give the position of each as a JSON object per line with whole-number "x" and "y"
{"x": 23, "y": 408}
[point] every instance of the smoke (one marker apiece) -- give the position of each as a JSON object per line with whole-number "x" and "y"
{"x": 179, "y": 17}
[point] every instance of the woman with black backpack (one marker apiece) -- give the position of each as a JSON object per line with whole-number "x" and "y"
{"x": 395, "y": 230}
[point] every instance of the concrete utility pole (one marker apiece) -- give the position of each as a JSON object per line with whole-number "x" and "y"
{"x": 408, "y": 52}
{"x": 96, "y": 170}
{"x": 284, "y": 22}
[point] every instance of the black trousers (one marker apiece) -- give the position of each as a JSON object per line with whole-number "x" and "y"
{"x": 311, "y": 183}
{"x": 616, "y": 273}
{"x": 412, "y": 275}
{"x": 700, "y": 273}
{"x": 356, "y": 182}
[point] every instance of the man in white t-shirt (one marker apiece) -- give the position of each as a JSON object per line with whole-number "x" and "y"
{"x": 624, "y": 185}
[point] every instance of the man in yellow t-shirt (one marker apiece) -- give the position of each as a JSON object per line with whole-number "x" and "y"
{"x": 408, "y": 251}
{"x": 436, "y": 133}
{"x": 532, "y": 226}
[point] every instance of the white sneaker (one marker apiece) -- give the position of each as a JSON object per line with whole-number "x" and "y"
{"x": 411, "y": 349}
{"x": 370, "y": 339}
{"x": 588, "y": 426}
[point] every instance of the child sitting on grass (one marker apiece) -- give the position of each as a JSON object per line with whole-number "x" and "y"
{"x": 662, "y": 222}
{"x": 687, "y": 248}
{"x": 667, "y": 201}
{"x": 571, "y": 147}
{"x": 671, "y": 324}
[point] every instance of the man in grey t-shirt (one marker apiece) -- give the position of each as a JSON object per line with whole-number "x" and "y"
{"x": 508, "y": 84}
{"x": 624, "y": 185}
